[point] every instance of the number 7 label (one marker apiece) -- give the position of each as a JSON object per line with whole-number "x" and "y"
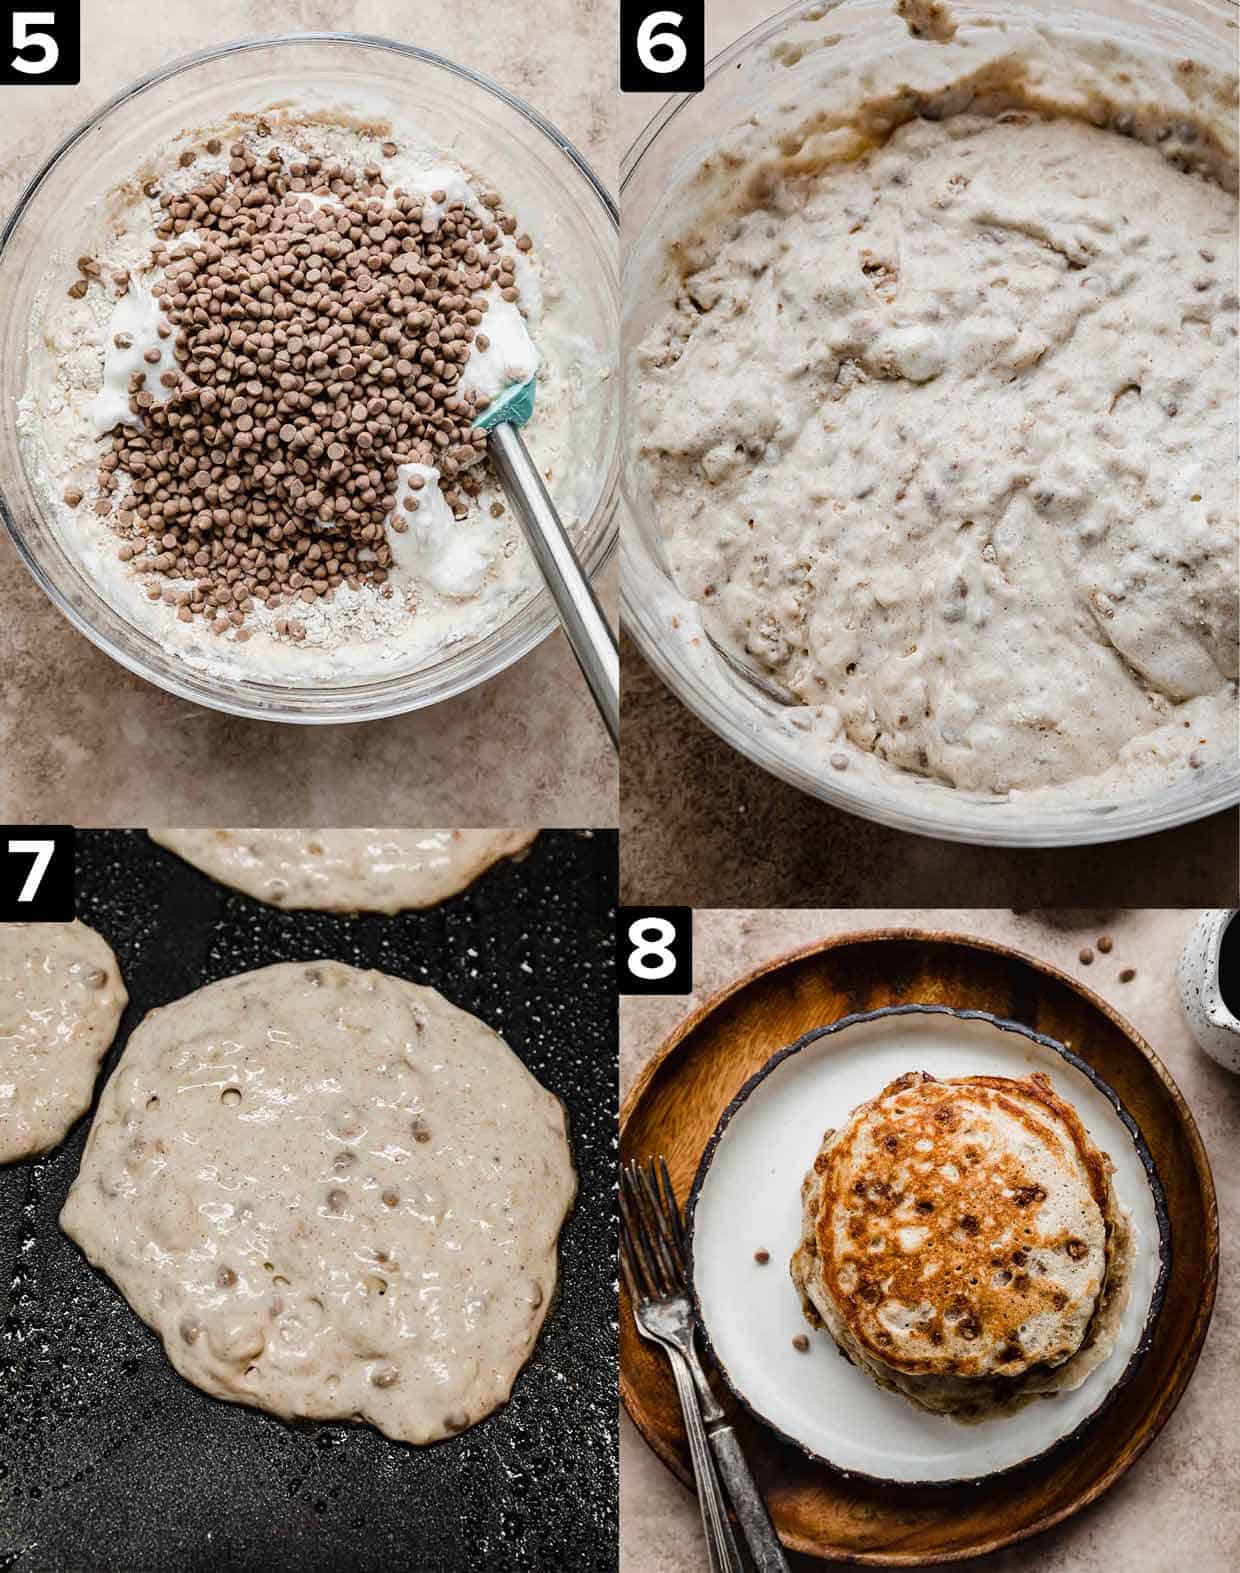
{"x": 42, "y": 851}
{"x": 36, "y": 874}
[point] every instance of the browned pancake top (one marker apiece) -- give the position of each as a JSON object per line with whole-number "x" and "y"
{"x": 961, "y": 1224}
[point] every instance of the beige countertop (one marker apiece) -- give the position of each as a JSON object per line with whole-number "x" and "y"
{"x": 108, "y": 748}
{"x": 701, "y": 825}
{"x": 1178, "y": 1506}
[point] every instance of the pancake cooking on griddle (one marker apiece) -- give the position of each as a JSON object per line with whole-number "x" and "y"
{"x": 962, "y": 1243}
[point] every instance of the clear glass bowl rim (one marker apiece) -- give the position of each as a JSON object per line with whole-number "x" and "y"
{"x": 545, "y": 620}
{"x": 714, "y": 714}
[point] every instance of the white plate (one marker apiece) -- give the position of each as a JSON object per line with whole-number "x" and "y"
{"x": 747, "y": 1197}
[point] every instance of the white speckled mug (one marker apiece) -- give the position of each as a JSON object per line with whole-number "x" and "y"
{"x": 1213, "y": 1021}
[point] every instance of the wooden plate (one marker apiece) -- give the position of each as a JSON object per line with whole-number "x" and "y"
{"x": 673, "y": 1109}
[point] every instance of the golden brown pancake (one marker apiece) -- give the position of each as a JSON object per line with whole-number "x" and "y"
{"x": 962, "y": 1242}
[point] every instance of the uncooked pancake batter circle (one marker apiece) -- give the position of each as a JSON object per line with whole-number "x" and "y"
{"x": 61, "y": 997}
{"x": 346, "y": 870}
{"x": 332, "y": 1194}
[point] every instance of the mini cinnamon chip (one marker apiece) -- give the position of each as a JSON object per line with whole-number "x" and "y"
{"x": 318, "y": 349}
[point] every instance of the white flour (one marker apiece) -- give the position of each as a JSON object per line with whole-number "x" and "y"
{"x": 362, "y": 634}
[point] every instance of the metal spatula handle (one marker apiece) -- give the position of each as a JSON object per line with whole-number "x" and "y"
{"x": 588, "y": 631}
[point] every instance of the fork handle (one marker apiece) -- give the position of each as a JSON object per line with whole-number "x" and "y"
{"x": 751, "y": 1511}
{"x": 739, "y": 1483}
{"x": 722, "y": 1552}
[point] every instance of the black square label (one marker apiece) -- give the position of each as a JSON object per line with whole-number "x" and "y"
{"x": 36, "y": 874}
{"x": 655, "y": 950}
{"x": 41, "y": 42}
{"x": 662, "y": 47}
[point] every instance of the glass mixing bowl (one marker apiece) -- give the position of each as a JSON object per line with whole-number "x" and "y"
{"x": 770, "y": 70}
{"x": 560, "y": 201}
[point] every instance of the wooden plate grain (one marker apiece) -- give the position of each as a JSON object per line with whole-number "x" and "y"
{"x": 673, "y": 1109}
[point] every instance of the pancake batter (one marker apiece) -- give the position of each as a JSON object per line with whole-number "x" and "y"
{"x": 61, "y": 997}
{"x": 346, "y": 870}
{"x": 940, "y": 435}
{"x": 333, "y": 1195}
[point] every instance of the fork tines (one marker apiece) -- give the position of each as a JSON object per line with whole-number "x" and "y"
{"x": 653, "y": 1251}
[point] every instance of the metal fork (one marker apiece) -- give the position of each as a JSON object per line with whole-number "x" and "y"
{"x": 653, "y": 1254}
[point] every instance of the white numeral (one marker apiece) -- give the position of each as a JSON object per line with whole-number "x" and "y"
{"x": 23, "y": 38}
{"x": 649, "y": 39}
{"x": 650, "y": 957}
{"x": 42, "y": 851}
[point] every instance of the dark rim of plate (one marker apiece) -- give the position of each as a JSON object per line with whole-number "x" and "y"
{"x": 1143, "y": 1153}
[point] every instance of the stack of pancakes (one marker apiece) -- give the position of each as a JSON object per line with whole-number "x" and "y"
{"x": 962, "y": 1243}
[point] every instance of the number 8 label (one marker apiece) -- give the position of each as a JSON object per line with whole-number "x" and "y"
{"x": 651, "y": 957}
{"x": 654, "y": 950}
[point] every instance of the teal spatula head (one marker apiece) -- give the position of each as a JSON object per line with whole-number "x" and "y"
{"x": 515, "y": 405}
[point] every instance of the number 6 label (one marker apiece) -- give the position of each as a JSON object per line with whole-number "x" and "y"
{"x": 662, "y": 46}
{"x": 41, "y": 44}
{"x": 661, "y": 52}
{"x": 656, "y": 950}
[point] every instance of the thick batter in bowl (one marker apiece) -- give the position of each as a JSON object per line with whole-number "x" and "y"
{"x": 932, "y": 394}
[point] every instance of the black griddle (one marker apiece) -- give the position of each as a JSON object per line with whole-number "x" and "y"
{"x": 110, "y": 1461}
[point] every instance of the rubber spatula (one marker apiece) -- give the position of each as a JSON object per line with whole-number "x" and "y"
{"x": 588, "y": 631}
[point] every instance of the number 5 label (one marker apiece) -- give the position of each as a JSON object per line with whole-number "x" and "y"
{"x": 662, "y": 46}
{"x": 656, "y": 950}
{"x": 36, "y": 874}
{"x": 41, "y": 44}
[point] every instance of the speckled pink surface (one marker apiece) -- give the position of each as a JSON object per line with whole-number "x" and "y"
{"x": 82, "y": 740}
{"x": 1179, "y": 1506}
